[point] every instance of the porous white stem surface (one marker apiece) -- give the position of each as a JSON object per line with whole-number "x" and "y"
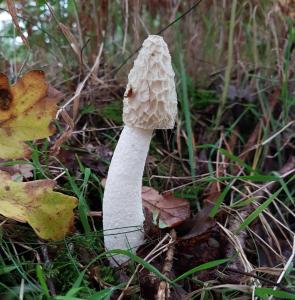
{"x": 122, "y": 203}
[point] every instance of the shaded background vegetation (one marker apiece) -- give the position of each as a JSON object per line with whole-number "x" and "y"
{"x": 234, "y": 68}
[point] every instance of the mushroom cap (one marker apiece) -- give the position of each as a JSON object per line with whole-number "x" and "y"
{"x": 150, "y": 100}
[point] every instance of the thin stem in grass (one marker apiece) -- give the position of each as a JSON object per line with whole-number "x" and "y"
{"x": 79, "y": 192}
{"x": 229, "y": 63}
{"x": 285, "y": 75}
{"x": 187, "y": 117}
{"x": 254, "y": 41}
{"x": 261, "y": 208}
{"x": 276, "y": 284}
{"x": 184, "y": 100}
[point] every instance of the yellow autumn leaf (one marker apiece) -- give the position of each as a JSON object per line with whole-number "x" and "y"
{"x": 49, "y": 213}
{"x": 26, "y": 111}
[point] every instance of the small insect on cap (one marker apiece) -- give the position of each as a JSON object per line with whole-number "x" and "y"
{"x": 150, "y": 100}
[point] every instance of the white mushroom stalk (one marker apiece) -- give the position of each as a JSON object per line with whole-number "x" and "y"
{"x": 150, "y": 102}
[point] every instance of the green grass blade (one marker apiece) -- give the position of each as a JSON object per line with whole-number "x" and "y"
{"x": 220, "y": 200}
{"x": 67, "y": 298}
{"x": 229, "y": 63}
{"x": 187, "y": 116}
{"x": 260, "y": 208}
{"x": 258, "y": 211}
{"x": 133, "y": 257}
{"x": 205, "y": 266}
{"x": 42, "y": 281}
{"x": 73, "y": 291}
{"x": 102, "y": 295}
{"x": 6, "y": 269}
{"x": 82, "y": 206}
{"x": 286, "y": 190}
{"x": 237, "y": 160}
{"x": 264, "y": 293}
{"x": 140, "y": 261}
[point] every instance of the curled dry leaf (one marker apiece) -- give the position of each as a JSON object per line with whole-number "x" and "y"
{"x": 49, "y": 213}
{"x": 18, "y": 170}
{"x": 26, "y": 111}
{"x": 170, "y": 211}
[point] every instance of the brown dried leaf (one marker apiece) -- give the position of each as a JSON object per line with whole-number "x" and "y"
{"x": 199, "y": 224}
{"x": 16, "y": 171}
{"x": 170, "y": 211}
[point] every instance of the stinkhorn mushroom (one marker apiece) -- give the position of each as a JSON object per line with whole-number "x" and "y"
{"x": 150, "y": 102}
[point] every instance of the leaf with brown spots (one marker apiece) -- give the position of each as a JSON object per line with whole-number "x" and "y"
{"x": 49, "y": 213}
{"x": 26, "y": 111}
{"x": 168, "y": 210}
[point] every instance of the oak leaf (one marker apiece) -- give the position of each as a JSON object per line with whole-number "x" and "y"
{"x": 49, "y": 213}
{"x": 26, "y": 111}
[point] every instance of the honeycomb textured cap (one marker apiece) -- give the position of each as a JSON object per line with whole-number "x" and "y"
{"x": 150, "y": 100}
